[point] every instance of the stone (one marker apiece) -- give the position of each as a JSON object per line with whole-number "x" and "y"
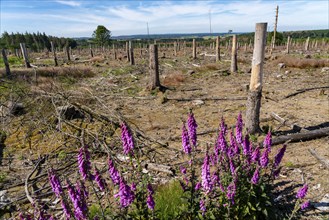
{"x": 198, "y": 102}
{"x": 281, "y": 65}
{"x": 12, "y": 108}
{"x": 3, "y": 197}
{"x": 287, "y": 72}
{"x": 307, "y": 56}
{"x": 325, "y": 70}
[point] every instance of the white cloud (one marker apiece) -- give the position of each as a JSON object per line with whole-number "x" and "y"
{"x": 69, "y": 3}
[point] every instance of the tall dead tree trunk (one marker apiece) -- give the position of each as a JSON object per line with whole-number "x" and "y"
{"x": 68, "y": 53}
{"x": 175, "y": 48}
{"x": 256, "y": 80}
{"x": 91, "y": 51}
{"x": 24, "y": 53}
{"x": 127, "y": 51}
{"x": 217, "y": 49}
{"x": 5, "y": 60}
{"x": 194, "y": 49}
{"x": 154, "y": 66}
{"x": 275, "y": 26}
{"x": 234, "y": 57}
{"x": 131, "y": 53}
{"x": 54, "y": 53}
{"x": 288, "y": 45}
{"x": 307, "y": 44}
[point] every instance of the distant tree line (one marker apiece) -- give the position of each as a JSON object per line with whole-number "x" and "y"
{"x": 34, "y": 41}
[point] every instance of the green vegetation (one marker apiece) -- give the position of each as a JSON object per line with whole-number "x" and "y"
{"x": 12, "y": 61}
{"x": 101, "y": 36}
{"x": 168, "y": 199}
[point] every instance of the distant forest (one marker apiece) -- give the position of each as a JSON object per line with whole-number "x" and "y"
{"x": 38, "y": 41}
{"x": 34, "y": 41}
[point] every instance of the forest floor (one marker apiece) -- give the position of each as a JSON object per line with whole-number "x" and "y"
{"x": 116, "y": 90}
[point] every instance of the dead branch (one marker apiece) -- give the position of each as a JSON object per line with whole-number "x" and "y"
{"x": 284, "y": 122}
{"x": 207, "y": 99}
{"x": 305, "y": 90}
{"x": 27, "y": 181}
{"x": 322, "y": 160}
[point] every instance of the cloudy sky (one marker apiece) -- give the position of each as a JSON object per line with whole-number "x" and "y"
{"x": 79, "y": 18}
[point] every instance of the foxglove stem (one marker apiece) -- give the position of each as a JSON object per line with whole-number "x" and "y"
{"x": 185, "y": 141}
{"x": 84, "y": 162}
{"x": 302, "y": 192}
{"x": 279, "y": 156}
{"x": 238, "y": 129}
{"x": 114, "y": 173}
{"x": 206, "y": 181}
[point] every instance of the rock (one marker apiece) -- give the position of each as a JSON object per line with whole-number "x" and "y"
{"x": 12, "y": 108}
{"x": 325, "y": 69}
{"x": 69, "y": 112}
{"x": 190, "y": 72}
{"x": 281, "y": 65}
{"x": 323, "y": 205}
{"x": 3, "y": 197}
{"x": 198, "y": 102}
{"x": 307, "y": 56}
{"x": 287, "y": 72}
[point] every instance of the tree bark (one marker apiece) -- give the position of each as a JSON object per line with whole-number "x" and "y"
{"x": 194, "y": 50}
{"x": 256, "y": 80}
{"x": 234, "y": 65}
{"x": 154, "y": 66}
{"x": 24, "y": 53}
{"x": 288, "y": 45}
{"x": 5, "y": 60}
{"x": 54, "y": 53}
{"x": 131, "y": 54}
{"x": 127, "y": 51}
{"x": 217, "y": 49}
{"x": 307, "y": 44}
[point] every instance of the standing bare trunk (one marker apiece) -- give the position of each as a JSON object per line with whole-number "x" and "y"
{"x": 68, "y": 53}
{"x": 175, "y": 48}
{"x": 91, "y": 51}
{"x": 5, "y": 60}
{"x": 24, "y": 53}
{"x": 127, "y": 51}
{"x": 194, "y": 49}
{"x": 256, "y": 80}
{"x": 217, "y": 49}
{"x": 288, "y": 45}
{"x": 54, "y": 53}
{"x": 307, "y": 44}
{"x": 154, "y": 66}
{"x": 275, "y": 26}
{"x": 131, "y": 53}
{"x": 234, "y": 57}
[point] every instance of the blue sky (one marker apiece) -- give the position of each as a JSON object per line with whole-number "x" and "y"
{"x": 79, "y": 18}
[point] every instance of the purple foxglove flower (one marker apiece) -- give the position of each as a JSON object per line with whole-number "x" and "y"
{"x": 264, "y": 158}
{"x": 127, "y": 140}
{"x": 186, "y": 141}
{"x": 125, "y": 193}
{"x": 150, "y": 202}
{"x": 255, "y": 177}
{"x": 255, "y": 155}
{"x": 197, "y": 186}
{"x": 24, "y": 217}
{"x": 302, "y": 192}
{"x": 246, "y": 145}
{"x": 81, "y": 210}
{"x": 205, "y": 175}
{"x": 183, "y": 170}
{"x": 238, "y": 129}
{"x": 133, "y": 187}
{"x": 232, "y": 167}
{"x": 203, "y": 206}
{"x": 76, "y": 200}
{"x": 231, "y": 190}
{"x": 279, "y": 156}
{"x": 234, "y": 144}
{"x": 84, "y": 162}
{"x": 66, "y": 209}
{"x": 214, "y": 179}
{"x": 150, "y": 189}
{"x": 114, "y": 174}
{"x": 221, "y": 142}
{"x": 99, "y": 180}
{"x": 55, "y": 183}
{"x": 305, "y": 205}
{"x": 192, "y": 126}
{"x": 268, "y": 141}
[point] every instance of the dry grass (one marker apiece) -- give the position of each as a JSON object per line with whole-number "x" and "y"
{"x": 173, "y": 79}
{"x": 303, "y": 63}
{"x": 75, "y": 72}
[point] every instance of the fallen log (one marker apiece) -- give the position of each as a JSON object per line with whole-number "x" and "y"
{"x": 305, "y": 136}
{"x": 322, "y": 160}
{"x": 305, "y": 90}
